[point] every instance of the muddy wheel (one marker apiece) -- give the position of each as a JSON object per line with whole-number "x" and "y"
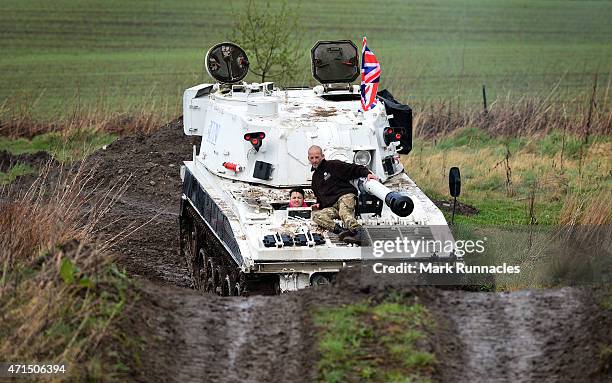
{"x": 211, "y": 286}
{"x": 229, "y": 290}
{"x": 218, "y": 277}
{"x": 233, "y": 286}
{"x": 200, "y": 271}
{"x": 210, "y": 281}
{"x": 190, "y": 246}
{"x": 237, "y": 290}
{"x": 226, "y": 285}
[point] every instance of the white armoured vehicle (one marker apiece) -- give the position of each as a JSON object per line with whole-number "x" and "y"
{"x": 236, "y": 231}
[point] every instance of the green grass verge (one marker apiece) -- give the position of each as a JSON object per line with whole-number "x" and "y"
{"x": 605, "y": 300}
{"x": 73, "y": 320}
{"x": 70, "y": 146}
{"x": 365, "y": 341}
{"x": 498, "y": 210}
{"x": 14, "y": 172}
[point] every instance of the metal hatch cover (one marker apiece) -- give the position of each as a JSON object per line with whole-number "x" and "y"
{"x": 334, "y": 61}
{"x": 227, "y": 63}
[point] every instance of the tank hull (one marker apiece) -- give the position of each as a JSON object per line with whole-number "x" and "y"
{"x": 223, "y": 224}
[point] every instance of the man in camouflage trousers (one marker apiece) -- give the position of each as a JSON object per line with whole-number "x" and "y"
{"x": 336, "y": 197}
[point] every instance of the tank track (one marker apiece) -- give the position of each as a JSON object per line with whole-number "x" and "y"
{"x": 212, "y": 269}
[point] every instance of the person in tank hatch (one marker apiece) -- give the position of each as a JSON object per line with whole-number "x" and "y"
{"x": 296, "y": 198}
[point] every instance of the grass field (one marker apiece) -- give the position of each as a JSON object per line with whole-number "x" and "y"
{"x": 122, "y": 57}
{"x": 551, "y": 168}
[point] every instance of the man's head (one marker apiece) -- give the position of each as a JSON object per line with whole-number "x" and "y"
{"x": 315, "y": 156}
{"x": 296, "y": 197}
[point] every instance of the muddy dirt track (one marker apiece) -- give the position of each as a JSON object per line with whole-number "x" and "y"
{"x": 526, "y": 336}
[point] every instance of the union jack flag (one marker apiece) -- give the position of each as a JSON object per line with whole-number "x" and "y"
{"x": 370, "y": 76}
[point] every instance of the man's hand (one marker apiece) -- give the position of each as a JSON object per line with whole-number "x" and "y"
{"x": 314, "y": 206}
{"x": 372, "y": 176}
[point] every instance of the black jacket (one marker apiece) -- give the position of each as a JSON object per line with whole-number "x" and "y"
{"x": 330, "y": 180}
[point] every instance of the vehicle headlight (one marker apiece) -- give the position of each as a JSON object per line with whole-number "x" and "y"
{"x": 362, "y": 157}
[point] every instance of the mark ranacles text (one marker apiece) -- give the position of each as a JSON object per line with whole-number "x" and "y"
{"x": 443, "y": 268}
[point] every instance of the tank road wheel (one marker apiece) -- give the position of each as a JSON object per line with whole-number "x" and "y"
{"x": 239, "y": 284}
{"x": 237, "y": 289}
{"x": 211, "y": 285}
{"x": 227, "y": 286}
{"x": 200, "y": 270}
{"x": 233, "y": 286}
{"x": 190, "y": 245}
{"x": 226, "y": 282}
{"x": 218, "y": 277}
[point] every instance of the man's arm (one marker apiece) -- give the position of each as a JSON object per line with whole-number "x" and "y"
{"x": 349, "y": 171}
{"x": 315, "y": 206}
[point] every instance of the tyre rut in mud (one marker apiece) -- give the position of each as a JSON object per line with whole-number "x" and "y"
{"x": 524, "y": 336}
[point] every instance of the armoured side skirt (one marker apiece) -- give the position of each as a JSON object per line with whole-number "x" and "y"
{"x": 208, "y": 211}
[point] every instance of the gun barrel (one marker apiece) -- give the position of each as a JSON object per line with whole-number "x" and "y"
{"x": 399, "y": 203}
